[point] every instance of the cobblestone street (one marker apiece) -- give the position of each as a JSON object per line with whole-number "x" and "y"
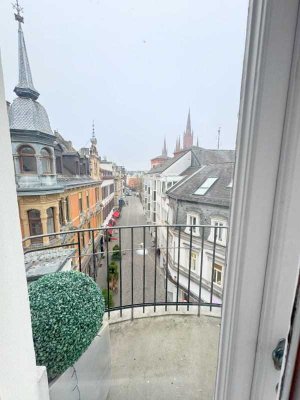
{"x": 132, "y": 215}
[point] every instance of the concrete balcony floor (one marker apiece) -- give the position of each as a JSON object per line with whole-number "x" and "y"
{"x": 164, "y": 357}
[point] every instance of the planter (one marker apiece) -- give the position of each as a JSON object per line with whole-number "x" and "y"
{"x": 90, "y": 376}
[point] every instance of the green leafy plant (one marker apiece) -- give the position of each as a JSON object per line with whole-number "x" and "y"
{"x": 116, "y": 255}
{"x": 113, "y": 271}
{"x": 67, "y": 310}
{"x": 109, "y": 302}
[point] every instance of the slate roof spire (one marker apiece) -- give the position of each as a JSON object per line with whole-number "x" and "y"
{"x": 25, "y": 86}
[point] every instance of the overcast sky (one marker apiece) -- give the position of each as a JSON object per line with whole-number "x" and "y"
{"x": 135, "y": 67}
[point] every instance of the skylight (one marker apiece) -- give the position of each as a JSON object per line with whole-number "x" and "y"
{"x": 206, "y": 185}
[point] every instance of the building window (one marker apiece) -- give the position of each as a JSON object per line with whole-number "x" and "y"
{"x": 58, "y": 164}
{"x": 46, "y": 161}
{"x": 35, "y": 225}
{"x": 80, "y": 202}
{"x": 193, "y": 261}
{"x": 50, "y": 221}
{"x": 192, "y": 221}
{"x": 77, "y": 167}
{"x": 61, "y": 212}
{"x": 67, "y": 209}
{"x": 27, "y": 160}
{"x": 219, "y": 232}
{"x": 87, "y": 200}
{"x": 97, "y": 194}
{"x": 206, "y": 185}
{"x": 217, "y": 277}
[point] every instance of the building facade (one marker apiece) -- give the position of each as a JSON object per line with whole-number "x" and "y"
{"x": 56, "y": 189}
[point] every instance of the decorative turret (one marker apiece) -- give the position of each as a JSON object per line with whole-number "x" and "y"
{"x": 25, "y": 86}
{"x": 25, "y": 113}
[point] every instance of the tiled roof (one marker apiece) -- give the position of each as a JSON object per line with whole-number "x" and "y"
{"x": 218, "y": 194}
{"x": 28, "y": 115}
{"x": 165, "y": 165}
{"x": 69, "y": 181}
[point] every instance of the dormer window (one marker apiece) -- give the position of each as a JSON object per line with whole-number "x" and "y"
{"x": 27, "y": 160}
{"x": 46, "y": 160}
{"x": 206, "y": 185}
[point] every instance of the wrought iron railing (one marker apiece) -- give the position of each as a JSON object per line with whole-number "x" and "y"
{"x": 156, "y": 265}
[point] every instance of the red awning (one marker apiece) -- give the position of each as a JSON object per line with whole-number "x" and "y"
{"x": 116, "y": 214}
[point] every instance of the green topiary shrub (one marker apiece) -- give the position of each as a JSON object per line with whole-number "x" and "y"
{"x": 66, "y": 312}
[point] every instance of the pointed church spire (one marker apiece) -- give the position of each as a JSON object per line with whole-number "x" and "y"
{"x": 188, "y": 124}
{"x": 25, "y": 86}
{"x": 164, "y": 150}
{"x": 188, "y": 135}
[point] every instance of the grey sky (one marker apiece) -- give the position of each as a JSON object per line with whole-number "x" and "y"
{"x": 135, "y": 67}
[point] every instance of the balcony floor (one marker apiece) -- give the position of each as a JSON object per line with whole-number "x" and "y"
{"x": 166, "y": 357}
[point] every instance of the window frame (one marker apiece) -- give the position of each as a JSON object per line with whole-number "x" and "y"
{"x": 46, "y": 159}
{"x": 25, "y": 155}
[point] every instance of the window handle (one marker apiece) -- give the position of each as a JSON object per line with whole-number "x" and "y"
{"x": 277, "y": 354}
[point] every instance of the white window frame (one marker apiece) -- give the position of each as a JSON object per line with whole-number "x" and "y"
{"x": 195, "y": 218}
{"x": 220, "y": 272}
{"x": 221, "y": 227}
{"x": 194, "y": 261}
{"x": 258, "y": 293}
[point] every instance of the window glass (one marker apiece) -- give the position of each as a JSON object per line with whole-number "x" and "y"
{"x": 217, "y": 276}
{"x": 206, "y": 185}
{"x": 46, "y": 161}
{"x": 27, "y": 160}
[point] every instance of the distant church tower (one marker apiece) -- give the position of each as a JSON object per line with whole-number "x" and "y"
{"x": 164, "y": 150}
{"x": 188, "y": 136}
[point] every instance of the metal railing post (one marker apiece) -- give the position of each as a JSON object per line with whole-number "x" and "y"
{"x": 190, "y": 265}
{"x": 79, "y": 250}
{"x": 201, "y": 269}
{"x": 213, "y": 269}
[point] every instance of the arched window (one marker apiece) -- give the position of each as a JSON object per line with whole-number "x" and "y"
{"x": 50, "y": 221}
{"x": 46, "y": 161}
{"x": 27, "y": 159}
{"x": 35, "y": 225}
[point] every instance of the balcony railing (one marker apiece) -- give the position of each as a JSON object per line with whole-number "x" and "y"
{"x": 159, "y": 266}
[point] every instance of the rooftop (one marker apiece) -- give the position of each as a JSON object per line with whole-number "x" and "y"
{"x": 46, "y": 262}
{"x": 219, "y": 193}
